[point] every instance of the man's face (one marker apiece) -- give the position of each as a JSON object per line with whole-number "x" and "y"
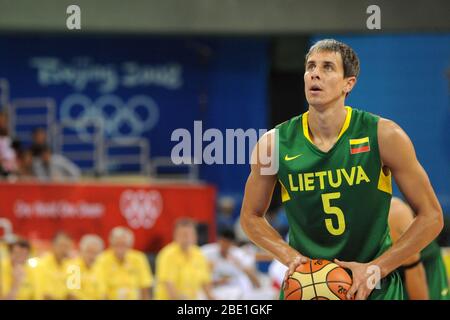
{"x": 90, "y": 252}
{"x": 185, "y": 236}
{"x": 19, "y": 255}
{"x": 120, "y": 245}
{"x": 40, "y": 137}
{"x": 62, "y": 248}
{"x": 225, "y": 246}
{"x": 324, "y": 78}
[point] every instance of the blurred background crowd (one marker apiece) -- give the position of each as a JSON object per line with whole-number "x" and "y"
{"x": 91, "y": 269}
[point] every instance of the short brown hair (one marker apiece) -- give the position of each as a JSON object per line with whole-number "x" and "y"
{"x": 349, "y": 58}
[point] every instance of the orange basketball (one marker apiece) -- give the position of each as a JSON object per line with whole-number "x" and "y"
{"x": 318, "y": 280}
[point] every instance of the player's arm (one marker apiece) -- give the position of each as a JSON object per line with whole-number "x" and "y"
{"x": 397, "y": 154}
{"x": 258, "y": 194}
{"x": 400, "y": 218}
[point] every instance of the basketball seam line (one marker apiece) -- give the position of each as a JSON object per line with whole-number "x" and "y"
{"x": 299, "y": 283}
{"x": 324, "y": 282}
{"x": 312, "y": 278}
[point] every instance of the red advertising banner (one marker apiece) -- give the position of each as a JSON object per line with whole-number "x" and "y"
{"x": 38, "y": 211}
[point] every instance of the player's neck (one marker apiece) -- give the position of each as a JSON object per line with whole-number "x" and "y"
{"x": 325, "y": 122}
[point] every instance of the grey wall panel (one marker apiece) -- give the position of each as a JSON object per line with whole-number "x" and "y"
{"x": 225, "y": 16}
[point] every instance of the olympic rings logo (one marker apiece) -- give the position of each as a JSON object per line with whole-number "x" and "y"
{"x": 141, "y": 208}
{"x": 119, "y": 119}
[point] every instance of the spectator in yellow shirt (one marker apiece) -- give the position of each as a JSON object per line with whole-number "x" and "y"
{"x": 126, "y": 273}
{"x": 182, "y": 271}
{"x": 84, "y": 278}
{"x": 17, "y": 273}
{"x": 52, "y": 270}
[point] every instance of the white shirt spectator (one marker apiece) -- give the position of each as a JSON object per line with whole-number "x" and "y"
{"x": 237, "y": 285}
{"x": 8, "y": 159}
{"x": 59, "y": 168}
{"x": 277, "y": 271}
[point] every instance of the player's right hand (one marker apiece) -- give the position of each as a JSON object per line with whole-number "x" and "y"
{"x": 298, "y": 260}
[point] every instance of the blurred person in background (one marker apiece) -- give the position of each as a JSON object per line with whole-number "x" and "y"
{"x": 89, "y": 284}
{"x": 424, "y": 273}
{"x": 8, "y": 159}
{"x": 25, "y": 165}
{"x": 51, "y": 269}
{"x": 234, "y": 274}
{"x": 182, "y": 271}
{"x": 225, "y": 209}
{"x": 17, "y": 273}
{"x": 126, "y": 273}
{"x": 278, "y": 220}
{"x": 39, "y": 142}
{"x": 54, "y": 167}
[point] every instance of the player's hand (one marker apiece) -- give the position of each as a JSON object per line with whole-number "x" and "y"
{"x": 360, "y": 289}
{"x": 298, "y": 260}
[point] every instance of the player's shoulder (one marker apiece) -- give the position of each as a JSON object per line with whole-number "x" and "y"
{"x": 363, "y": 116}
{"x": 390, "y": 131}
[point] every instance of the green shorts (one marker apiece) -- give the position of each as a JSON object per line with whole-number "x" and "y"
{"x": 391, "y": 288}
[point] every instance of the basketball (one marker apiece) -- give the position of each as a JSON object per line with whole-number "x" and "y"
{"x": 318, "y": 280}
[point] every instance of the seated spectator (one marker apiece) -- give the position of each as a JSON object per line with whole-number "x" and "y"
{"x": 39, "y": 142}
{"x": 51, "y": 269}
{"x": 182, "y": 271}
{"x": 126, "y": 273}
{"x": 84, "y": 278}
{"x": 8, "y": 161}
{"x": 17, "y": 276}
{"x": 54, "y": 167}
{"x": 277, "y": 271}
{"x": 25, "y": 165}
{"x": 234, "y": 271}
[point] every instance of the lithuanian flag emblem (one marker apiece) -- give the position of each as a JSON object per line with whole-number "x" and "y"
{"x": 359, "y": 145}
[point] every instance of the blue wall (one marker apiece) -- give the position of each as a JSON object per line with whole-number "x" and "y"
{"x": 404, "y": 78}
{"x": 220, "y": 81}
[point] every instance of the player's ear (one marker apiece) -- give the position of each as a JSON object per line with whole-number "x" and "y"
{"x": 349, "y": 84}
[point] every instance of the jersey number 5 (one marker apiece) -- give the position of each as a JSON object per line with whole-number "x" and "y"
{"x": 326, "y": 198}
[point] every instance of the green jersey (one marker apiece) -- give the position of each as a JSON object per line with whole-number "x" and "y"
{"x": 337, "y": 202}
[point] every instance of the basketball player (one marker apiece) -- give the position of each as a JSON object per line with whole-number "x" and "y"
{"x": 335, "y": 167}
{"x": 424, "y": 274}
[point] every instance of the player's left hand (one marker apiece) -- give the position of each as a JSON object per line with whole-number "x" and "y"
{"x": 360, "y": 288}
